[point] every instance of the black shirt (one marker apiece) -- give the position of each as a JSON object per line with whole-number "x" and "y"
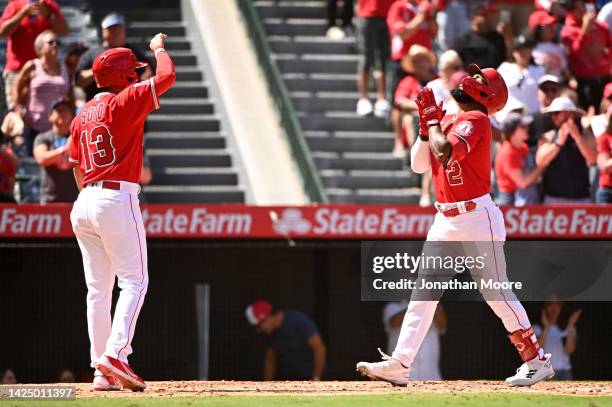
{"x": 295, "y": 360}
{"x": 540, "y": 124}
{"x": 57, "y": 181}
{"x": 485, "y": 50}
{"x": 567, "y": 176}
{"x": 88, "y": 58}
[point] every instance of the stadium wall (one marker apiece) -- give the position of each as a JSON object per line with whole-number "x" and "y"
{"x": 43, "y": 320}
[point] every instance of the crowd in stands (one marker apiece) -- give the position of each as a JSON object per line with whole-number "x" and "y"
{"x": 46, "y": 84}
{"x": 553, "y": 138}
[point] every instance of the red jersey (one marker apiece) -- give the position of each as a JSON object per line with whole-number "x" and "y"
{"x": 8, "y": 169}
{"x": 509, "y": 157}
{"x": 583, "y": 63}
{"x": 400, "y": 14}
{"x": 407, "y": 88}
{"x": 20, "y": 47}
{"x": 468, "y": 172}
{"x": 604, "y": 146}
{"x": 107, "y": 134}
{"x": 373, "y": 8}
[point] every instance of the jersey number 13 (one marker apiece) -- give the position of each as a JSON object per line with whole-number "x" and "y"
{"x": 97, "y": 147}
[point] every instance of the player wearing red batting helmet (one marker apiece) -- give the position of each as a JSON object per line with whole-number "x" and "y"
{"x": 457, "y": 150}
{"x": 116, "y": 67}
{"x": 107, "y": 137}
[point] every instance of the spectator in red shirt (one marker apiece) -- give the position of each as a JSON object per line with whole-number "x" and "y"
{"x": 419, "y": 63}
{"x": 604, "y": 163}
{"x": 8, "y": 169}
{"x": 21, "y": 22}
{"x": 373, "y": 41}
{"x": 515, "y": 169}
{"x": 410, "y": 22}
{"x": 589, "y": 46}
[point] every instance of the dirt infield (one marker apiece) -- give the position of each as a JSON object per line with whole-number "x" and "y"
{"x": 216, "y": 388}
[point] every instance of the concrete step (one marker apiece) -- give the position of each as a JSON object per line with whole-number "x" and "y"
{"x": 185, "y": 106}
{"x": 310, "y": 45}
{"x": 321, "y": 102}
{"x": 356, "y": 161}
{"x": 188, "y": 73}
{"x": 171, "y": 43}
{"x": 295, "y": 26}
{"x": 361, "y": 179}
{"x": 199, "y": 140}
{"x": 345, "y": 121}
{"x": 320, "y": 82}
{"x": 186, "y": 89}
{"x": 375, "y": 196}
{"x": 148, "y": 29}
{"x": 183, "y": 122}
{"x": 193, "y": 194}
{"x": 180, "y": 58}
{"x": 288, "y": 9}
{"x": 375, "y": 142}
{"x": 195, "y": 176}
{"x": 188, "y": 157}
{"x": 317, "y": 63}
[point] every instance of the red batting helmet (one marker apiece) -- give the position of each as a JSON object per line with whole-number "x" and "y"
{"x": 116, "y": 67}
{"x": 493, "y": 94}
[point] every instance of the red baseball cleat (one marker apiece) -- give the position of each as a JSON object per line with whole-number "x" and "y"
{"x": 122, "y": 371}
{"x": 105, "y": 383}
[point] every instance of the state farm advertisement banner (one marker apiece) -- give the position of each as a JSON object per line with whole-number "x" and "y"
{"x": 311, "y": 222}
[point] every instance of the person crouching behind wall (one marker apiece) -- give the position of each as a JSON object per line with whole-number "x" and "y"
{"x": 294, "y": 349}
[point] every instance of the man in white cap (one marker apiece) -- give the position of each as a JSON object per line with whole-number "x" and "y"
{"x": 567, "y": 151}
{"x": 113, "y": 36}
{"x": 549, "y": 88}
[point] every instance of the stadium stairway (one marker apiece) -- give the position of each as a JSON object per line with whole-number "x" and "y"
{"x": 352, "y": 153}
{"x": 185, "y": 142}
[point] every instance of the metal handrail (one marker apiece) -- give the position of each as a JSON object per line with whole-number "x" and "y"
{"x": 288, "y": 117}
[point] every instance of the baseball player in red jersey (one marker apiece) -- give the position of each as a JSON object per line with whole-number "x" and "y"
{"x": 107, "y": 137}
{"x": 457, "y": 149}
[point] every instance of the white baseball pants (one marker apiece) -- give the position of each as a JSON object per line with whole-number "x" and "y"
{"x": 111, "y": 235}
{"x": 484, "y": 225}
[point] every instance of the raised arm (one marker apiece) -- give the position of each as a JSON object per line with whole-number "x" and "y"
{"x": 10, "y": 24}
{"x": 22, "y": 84}
{"x": 165, "y": 75}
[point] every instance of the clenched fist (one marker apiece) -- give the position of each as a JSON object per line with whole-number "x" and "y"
{"x": 157, "y": 41}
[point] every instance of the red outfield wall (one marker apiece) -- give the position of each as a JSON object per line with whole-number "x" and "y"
{"x": 311, "y": 222}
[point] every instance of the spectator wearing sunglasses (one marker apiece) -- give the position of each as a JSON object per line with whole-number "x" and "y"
{"x": 42, "y": 81}
{"x": 21, "y": 22}
{"x": 567, "y": 151}
{"x": 549, "y": 88}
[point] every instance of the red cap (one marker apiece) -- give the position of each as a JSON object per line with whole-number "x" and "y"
{"x": 258, "y": 311}
{"x": 541, "y": 17}
{"x": 608, "y": 91}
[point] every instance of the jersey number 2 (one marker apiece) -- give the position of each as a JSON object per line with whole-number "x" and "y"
{"x": 97, "y": 147}
{"x": 453, "y": 173}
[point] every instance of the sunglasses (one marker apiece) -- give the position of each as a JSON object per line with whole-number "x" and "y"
{"x": 53, "y": 42}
